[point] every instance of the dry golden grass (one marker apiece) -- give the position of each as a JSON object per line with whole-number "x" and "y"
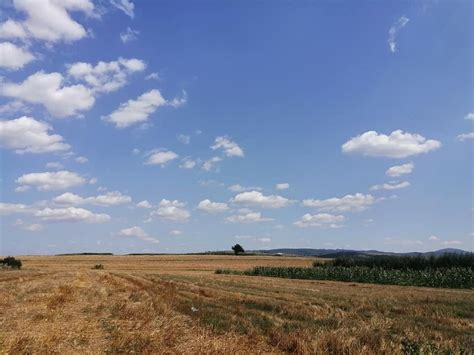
{"x": 144, "y": 304}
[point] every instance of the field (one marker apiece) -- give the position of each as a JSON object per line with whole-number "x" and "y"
{"x": 177, "y": 304}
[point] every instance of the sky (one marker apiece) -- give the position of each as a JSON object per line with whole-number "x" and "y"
{"x": 172, "y": 126}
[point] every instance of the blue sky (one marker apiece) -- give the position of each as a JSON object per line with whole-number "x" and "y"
{"x": 179, "y": 126}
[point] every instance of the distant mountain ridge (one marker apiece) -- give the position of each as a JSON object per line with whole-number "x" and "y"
{"x": 332, "y": 253}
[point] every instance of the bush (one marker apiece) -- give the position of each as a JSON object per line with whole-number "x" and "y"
{"x": 11, "y": 263}
{"x": 98, "y": 267}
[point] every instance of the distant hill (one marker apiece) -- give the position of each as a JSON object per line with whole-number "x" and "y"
{"x": 333, "y": 253}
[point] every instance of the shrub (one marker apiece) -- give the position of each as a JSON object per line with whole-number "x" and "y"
{"x": 98, "y": 267}
{"x": 11, "y": 263}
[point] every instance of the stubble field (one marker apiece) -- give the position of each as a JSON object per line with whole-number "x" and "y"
{"x": 176, "y": 304}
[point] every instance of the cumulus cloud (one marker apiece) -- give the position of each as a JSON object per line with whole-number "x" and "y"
{"x": 106, "y": 76}
{"x": 13, "y": 208}
{"x": 137, "y": 232}
{"x": 211, "y": 207}
{"x": 144, "y": 204}
{"x": 391, "y": 186}
{"x": 126, "y": 6}
{"x": 172, "y": 210}
{"x": 240, "y": 188}
{"x": 230, "y": 148}
{"x": 324, "y": 220}
{"x": 256, "y": 198}
{"x": 349, "y": 203}
{"x": 211, "y": 163}
{"x": 109, "y": 199}
{"x": 393, "y": 31}
{"x": 176, "y": 232}
{"x": 160, "y": 157}
{"x": 434, "y": 238}
{"x": 47, "y": 181}
{"x": 81, "y": 160}
{"x": 398, "y": 170}
{"x": 71, "y": 214}
{"x": 465, "y": 136}
{"x": 13, "y": 57}
{"x": 250, "y": 217}
{"x": 48, "y": 90}
{"x": 188, "y": 163}
{"x": 27, "y": 135}
{"x": 129, "y": 35}
{"x": 47, "y": 20}
{"x": 398, "y": 144}
{"x": 469, "y": 116}
{"x": 137, "y": 111}
{"x": 282, "y": 186}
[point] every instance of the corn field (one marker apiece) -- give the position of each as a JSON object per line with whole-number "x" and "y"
{"x": 453, "y": 277}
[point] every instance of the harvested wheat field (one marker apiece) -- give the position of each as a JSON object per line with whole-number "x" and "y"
{"x": 176, "y": 304}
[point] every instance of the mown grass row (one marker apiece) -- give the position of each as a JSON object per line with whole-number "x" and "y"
{"x": 453, "y": 277}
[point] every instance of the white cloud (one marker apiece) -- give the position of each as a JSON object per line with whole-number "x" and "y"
{"x": 172, "y": 210}
{"x": 256, "y": 198}
{"x": 465, "y": 136}
{"x": 185, "y": 139}
{"x": 81, "y": 160}
{"x": 391, "y": 186}
{"x": 160, "y": 157}
{"x": 397, "y": 145}
{"x": 137, "y": 111}
{"x": 188, "y": 163}
{"x": 209, "y": 206}
{"x": 392, "y": 32}
{"x": 144, "y": 204}
{"x": 35, "y": 227}
{"x": 398, "y": 170}
{"x": 349, "y": 203}
{"x": 46, "y": 181}
{"x": 124, "y": 5}
{"x": 47, "y": 20}
{"x": 230, "y": 148}
{"x": 176, "y": 232}
{"x": 469, "y": 116}
{"x": 13, "y": 208}
{"x": 139, "y": 233}
{"x": 27, "y": 135}
{"x": 109, "y": 199}
{"x": 14, "y": 106}
{"x": 264, "y": 240}
{"x": 13, "y": 57}
{"x": 153, "y": 76}
{"x": 282, "y": 186}
{"x": 210, "y": 164}
{"x": 71, "y": 214}
{"x": 54, "y": 165}
{"x": 324, "y": 220}
{"x": 106, "y": 76}
{"x": 129, "y": 35}
{"x": 240, "y": 188}
{"x": 48, "y": 90}
{"x": 251, "y": 217}
{"x": 434, "y": 238}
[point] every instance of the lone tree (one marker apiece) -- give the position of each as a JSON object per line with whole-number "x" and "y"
{"x": 237, "y": 248}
